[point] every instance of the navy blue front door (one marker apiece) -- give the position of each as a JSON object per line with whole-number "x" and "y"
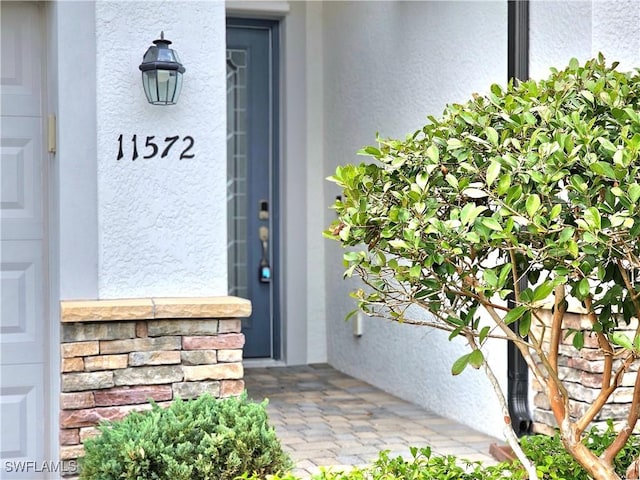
{"x": 252, "y": 174}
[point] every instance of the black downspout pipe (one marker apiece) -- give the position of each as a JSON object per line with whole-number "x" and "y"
{"x": 518, "y": 373}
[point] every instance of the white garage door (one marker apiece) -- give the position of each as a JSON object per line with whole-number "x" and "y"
{"x": 24, "y": 325}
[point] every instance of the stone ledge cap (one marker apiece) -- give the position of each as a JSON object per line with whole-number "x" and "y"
{"x": 105, "y": 310}
{"x": 203, "y": 307}
{"x": 153, "y": 308}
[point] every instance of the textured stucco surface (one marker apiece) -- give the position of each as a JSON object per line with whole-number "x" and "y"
{"x": 72, "y": 97}
{"x": 387, "y": 66}
{"x": 162, "y": 220}
{"x": 561, "y": 30}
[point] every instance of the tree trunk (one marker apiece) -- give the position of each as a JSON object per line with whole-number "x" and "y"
{"x": 592, "y": 464}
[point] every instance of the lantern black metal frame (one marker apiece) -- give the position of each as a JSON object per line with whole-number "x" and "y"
{"x": 161, "y": 73}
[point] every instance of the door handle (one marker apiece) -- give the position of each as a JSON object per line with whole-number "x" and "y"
{"x": 264, "y": 270}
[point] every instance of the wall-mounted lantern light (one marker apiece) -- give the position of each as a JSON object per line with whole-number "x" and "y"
{"x": 161, "y": 73}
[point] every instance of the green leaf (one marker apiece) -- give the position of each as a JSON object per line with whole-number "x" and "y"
{"x": 588, "y": 95}
{"x": 485, "y": 332}
{"x": 399, "y": 244}
{"x": 493, "y": 171}
{"x": 578, "y": 340}
{"x": 583, "y": 288}
{"x": 422, "y": 179}
{"x": 542, "y": 291}
{"x": 370, "y": 151}
{"x": 433, "y": 153}
{"x": 573, "y": 249}
{"x": 454, "y": 144}
{"x": 634, "y": 192}
{"x": 515, "y": 314}
{"x": 606, "y": 144}
{"x": 415, "y": 271}
{"x": 492, "y": 135}
{"x": 474, "y": 193}
{"x": 603, "y": 169}
{"x": 533, "y": 204}
{"x": 491, "y": 223}
{"x": 555, "y": 211}
{"x": 352, "y": 256}
{"x": 470, "y": 212}
{"x": 451, "y": 180}
{"x": 504, "y": 274}
{"x": 476, "y": 358}
{"x": 351, "y": 314}
{"x": 592, "y": 217}
{"x": 460, "y": 364}
{"x": 525, "y": 324}
{"x": 566, "y": 234}
{"x": 617, "y": 191}
{"x": 621, "y": 340}
{"x": 490, "y": 277}
{"x": 503, "y": 184}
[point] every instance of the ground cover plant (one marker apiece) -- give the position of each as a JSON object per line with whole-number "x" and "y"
{"x": 202, "y": 439}
{"x": 551, "y": 459}
{"x": 530, "y": 192}
{"x": 553, "y": 462}
{"x": 423, "y": 465}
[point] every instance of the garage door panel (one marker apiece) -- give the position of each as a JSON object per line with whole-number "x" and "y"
{"x": 22, "y": 308}
{"x": 21, "y": 395}
{"x": 21, "y": 78}
{"x": 21, "y": 177}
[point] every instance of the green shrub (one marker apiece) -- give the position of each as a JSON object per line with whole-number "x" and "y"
{"x": 203, "y": 439}
{"x": 422, "y": 466}
{"x": 554, "y": 463}
{"x": 547, "y": 453}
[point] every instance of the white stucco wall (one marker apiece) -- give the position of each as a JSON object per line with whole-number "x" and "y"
{"x": 560, "y": 30}
{"x": 72, "y": 93}
{"x": 387, "y": 65}
{"x": 162, "y": 221}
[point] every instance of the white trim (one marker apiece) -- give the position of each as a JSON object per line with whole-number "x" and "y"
{"x": 262, "y": 363}
{"x": 257, "y": 8}
{"x": 293, "y": 174}
{"x": 51, "y": 235}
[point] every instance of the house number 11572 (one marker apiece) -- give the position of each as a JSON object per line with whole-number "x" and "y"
{"x": 152, "y": 147}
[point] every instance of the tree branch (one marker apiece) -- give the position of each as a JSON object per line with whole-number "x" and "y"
{"x": 623, "y": 435}
{"x": 509, "y": 434}
{"x": 560, "y": 307}
{"x": 603, "y": 343}
{"x": 584, "y": 421}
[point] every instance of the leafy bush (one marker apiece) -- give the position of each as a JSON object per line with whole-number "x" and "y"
{"x": 422, "y": 466}
{"x": 547, "y": 453}
{"x": 203, "y": 439}
{"x": 554, "y": 463}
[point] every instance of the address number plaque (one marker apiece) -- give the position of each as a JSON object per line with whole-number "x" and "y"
{"x": 152, "y": 147}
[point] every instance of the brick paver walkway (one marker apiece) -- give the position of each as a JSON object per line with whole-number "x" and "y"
{"x": 326, "y": 418}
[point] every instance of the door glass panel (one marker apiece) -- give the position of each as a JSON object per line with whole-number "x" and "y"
{"x": 237, "y": 172}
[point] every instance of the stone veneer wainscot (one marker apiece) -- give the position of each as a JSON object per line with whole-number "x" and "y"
{"x": 119, "y": 354}
{"x": 581, "y": 371}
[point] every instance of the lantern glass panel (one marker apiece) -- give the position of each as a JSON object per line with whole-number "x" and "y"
{"x": 150, "y": 85}
{"x": 163, "y": 78}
